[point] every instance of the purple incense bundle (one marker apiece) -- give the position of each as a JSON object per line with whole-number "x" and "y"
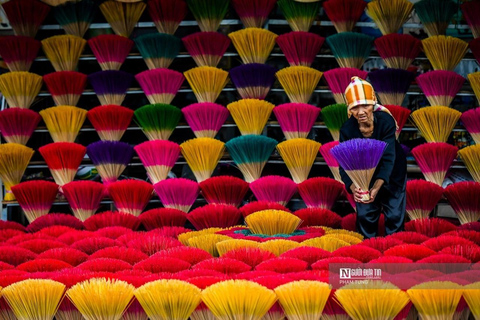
{"x": 296, "y": 119}
{"x": 440, "y": 86}
{"x": 111, "y": 85}
{"x": 391, "y": 85}
{"x": 338, "y": 79}
{"x": 178, "y": 193}
{"x": 253, "y": 80}
{"x": 110, "y": 158}
{"x": 160, "y": 85}
{"x": 359, "y": 158}
{"x": 205, "y": 118}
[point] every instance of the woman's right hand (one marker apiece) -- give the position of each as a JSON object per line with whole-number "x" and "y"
{"x": 357, "y": 193}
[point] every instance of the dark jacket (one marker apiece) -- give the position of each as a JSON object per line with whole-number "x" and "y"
{"x": 393, "y": 165}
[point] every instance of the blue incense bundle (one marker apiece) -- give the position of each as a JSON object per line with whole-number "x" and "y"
{"x": 391, "y": 85}
{"x": 359, "y": 158}
{"x": 111, "y": 85}
{"x": 110, "y": 158}
{"x": 253, "y": 80}
{"x": 75, "y": 17}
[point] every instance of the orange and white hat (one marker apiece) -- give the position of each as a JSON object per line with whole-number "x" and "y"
{"x": 359, "y": 92}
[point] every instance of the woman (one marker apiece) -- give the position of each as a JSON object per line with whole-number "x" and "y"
{"x": 367, "y": 119}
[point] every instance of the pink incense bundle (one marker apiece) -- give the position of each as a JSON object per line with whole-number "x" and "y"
{"x": 84, "y": 197}
{"x": 158, "y": 157}
{"x": 464, "y": 199}
{"x": 160, "y": 85}
{"x": 226, "y": 190}
{"x": 440, "y": 86}
{"x": 130, "y": 196}
{"x": 320, "y": 192}
{"x": 178, "y": 193}
{"x": 256, "y": 206}
{"x": 339, "y": 78}
{"x": 19, "y": 52}
{"x": 167, "y": 14}
{"x": 35, "y": 197}
{"x": 253, "y": 14}
{"x": 434, "y": 160}
{"x": 17, "y": 125}
{"x": 110, "y": 50}
{"x": 206, "y": 48}
{"x": 422, "y": 197}
{"x": 63, "y": 160}
{"x": 330, "y": 159}
{"x": 471, "y": 122}
{"x": 398, "y": 50}
{"x": 214, "y": 216}
{"x": 66, "y": 87}
{"x": 274, "y": 188}
{"x": 296, "y": 119}
{"x": 110, "y": 121}
{"x": 300, "y": 48}
{"x": 205, "y": 118}
{"x": 400, "y": 114}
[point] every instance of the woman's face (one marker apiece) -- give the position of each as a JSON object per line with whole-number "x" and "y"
{"x": 363, "y": 113}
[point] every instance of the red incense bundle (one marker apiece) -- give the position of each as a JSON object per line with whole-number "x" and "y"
{"x": 330, "y": 159}
{"x": 66, "y": 87}
{"x": 84, "y": 197}
{"x": 35, "y": 197}
{"x": 253, "y": 14}
{"x": 320, "y": 192}
{"x": 110, "y": 121}
{"x": 274, "y": 188}
{"x": 110, "y": 50}
{"x": 344, "y": 14}
{"x": 434, "y": 160}
{"x": 338, "y": 79}
{"x": 130, "y": 196}
{"x": 400, "y": 114}
{"x": 206, "y": 48}
{"x": 214, "y": 216}
{"x": 17, "y": 125}
{"x": 25, "y": 16}
{"x": 167, "y": 14}
{"x": 296, "y": 119}
{"x": 300, "y": 48}
{"x": 63, "y": 160}
{"x": 18, "y": 52}
{"x": 422, "y": 197}
{"x": 398, "y": 50}
{"x": 225, "y": 190}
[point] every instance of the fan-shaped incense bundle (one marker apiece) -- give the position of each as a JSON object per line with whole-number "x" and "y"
{"x": 434, "y": 160}
{"x": 471, "y": 121}
{"x": 253, "y": 14}
{"x": 158, "y": 157}
{"x": 469, "y": 9}
{"x": 250, "y": 115}
{"x": 372, "y": 300}
{"x": 422, "y": 197}
{"x": 253, "y": 80}
{"x": 339, "y": 78}
{"x": 17, "y": 125}
{"x": 110, "y": 121}
{"x": 64, "y": 122}
{"x": 35, "y": 197}
{"x": 160, "y": 85}
{"x": 470, "y": 294}
{"x": 299, "y": 82}
{"x": 205, "y": 119}
{"x": 274, "y": 189}
{"x": 320, "y": 192}
{"x": 272, "y": 222}
{"x": 300, "y": 16}
{"x": 435, "y": 15}
{"x": 238, "y": 299}
{"x": 130, "y": 195}
{"x": 167, "y": 14}
{"x": 14, "y": 159}
{"x": 435, "y": 123}
{"x": 110, "y": 158}
{"x": 440, "y": 87}
{"x": 122, "y": 16}
{"x": 474, "y": 79}
{"x": 359, "y": 158}
{"x": 250, "y": 153}
{"x": 18, "y": 52}
{"x": 158, "y": 49}
{"x": 110, "y": 50}
{"x": 101, "y": 298}
{"x": 350, "y": 49}
{"x": 398, "y": 50}
{"x": 202, "y": 156}
{"x": 389, "y": 15}
{"x": 206, "y": 82}
{"x": 168, "y": 299}
{"x": 334, "y": 116}
{"x": 63, "y": 160}
{"x": 400, "y": 114}
{"x": 463, "y": 198}
{"x": 110, "y": 86}
{"x": 391, "y": 85}
{"x": 471, "y": 158}
{"x": 226, "y": 190}
{"x": 206, "y": 48}
{"x": 279, "y": 246}
{"x": 299, "y": 155}
{"x": 83, "y": 197}
{"x": 444, "y": 53}
{"x": 300, "y": 48}
{"x": 214, "y": 216}
{"x": 25, "y": 16}
{"x": 253, "y": 44}
{"x": 63, "y": 51}
{"x": 20, "y": 88}
{"x": 296, "y": 119}
{"x": 330, "y": 159}
{"x": 344, "y": 14}
{"x": 66, "y": 87}
{"x": 178, "y": 193}
{"x": 75, "y": 17}
{"x": 158, "y": 120}
{"x": 34, "y": 298}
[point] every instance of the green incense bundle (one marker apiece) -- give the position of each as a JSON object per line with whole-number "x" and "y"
{"x": 350, "y": 49}
{"x": 158, "y": 49}
{"x": 334, "y": 116}
{"x": 158, "y": 120}
{"x": 435, "y": 15}
{"x": 208, "y": 13}
{"x": 75, "y": 17}
{"x": 299, "y": 15}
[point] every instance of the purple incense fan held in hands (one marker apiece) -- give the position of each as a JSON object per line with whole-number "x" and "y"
{"x": 359, "y": 158}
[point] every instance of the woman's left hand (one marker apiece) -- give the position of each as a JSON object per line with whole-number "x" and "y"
{"x": 374, "y": 191}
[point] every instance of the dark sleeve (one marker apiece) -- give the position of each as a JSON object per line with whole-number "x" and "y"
{"x": 345, "y": 178}
{"x": 385, "y": 167}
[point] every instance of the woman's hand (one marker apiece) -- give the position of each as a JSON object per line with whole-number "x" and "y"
{"x": 374, "y": 191}
{"x": 357, "y": 193}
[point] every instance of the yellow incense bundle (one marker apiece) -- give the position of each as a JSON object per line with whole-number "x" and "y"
{"x": 64, "y": 122}
{"x": 202, "y": 156}
{"x": 250, "y": 115}
{"x": 64, "y": 51}
{"x": 299, "y": 155}
{"x": 299, "y": 82}
{"x": 14, "y": 159}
